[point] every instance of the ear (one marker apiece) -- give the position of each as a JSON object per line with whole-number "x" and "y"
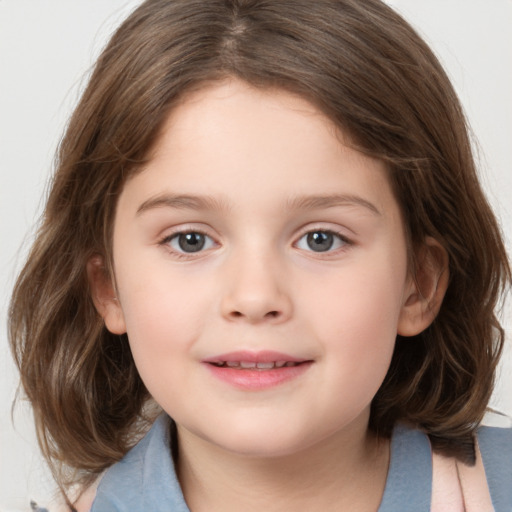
{"x": 425, "y": 289}
{"x": 103, "y": 295}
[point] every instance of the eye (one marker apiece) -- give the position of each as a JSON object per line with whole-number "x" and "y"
{"x": 189, "y": 242}
{"x": 321, "y": 241}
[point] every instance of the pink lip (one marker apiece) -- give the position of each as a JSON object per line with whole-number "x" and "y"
{"x": 256, "y": 379}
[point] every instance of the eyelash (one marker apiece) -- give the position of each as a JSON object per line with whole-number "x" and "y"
{"x": 345, "y": 242}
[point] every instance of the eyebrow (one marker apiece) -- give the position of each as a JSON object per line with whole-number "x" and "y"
{"x": 182, "y": 202}
{"x": 330, "y": 201}
{"x": 200, "y": 202}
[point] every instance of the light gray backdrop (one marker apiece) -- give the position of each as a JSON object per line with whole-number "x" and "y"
{"x": 46, "y": 49}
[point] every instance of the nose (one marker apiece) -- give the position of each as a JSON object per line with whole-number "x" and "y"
{"x": 255, "y": 291}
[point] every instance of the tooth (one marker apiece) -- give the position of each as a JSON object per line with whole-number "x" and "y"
{"x": 280, "y": 364}
{"x": 290, "y": 363}
{"x": 247, "y": 364}
{"x": 232, "y": 364}
{"x": 265, "y": 366}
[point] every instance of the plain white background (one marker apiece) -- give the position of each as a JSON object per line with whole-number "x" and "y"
{"x": 46, "y": 50}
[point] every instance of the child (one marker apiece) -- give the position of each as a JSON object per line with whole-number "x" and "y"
{"x": 266, "y": 225}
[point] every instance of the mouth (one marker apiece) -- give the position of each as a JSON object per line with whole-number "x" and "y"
{"x": 255, "y": 371}
{"x": 251, "y": 365}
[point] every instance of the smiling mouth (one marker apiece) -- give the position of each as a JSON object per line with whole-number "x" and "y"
{"x": 252, "y": 365}
{"x": 257, "y": 371}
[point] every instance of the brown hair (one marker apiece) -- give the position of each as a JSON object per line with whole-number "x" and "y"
{"x": 366, "y": 69}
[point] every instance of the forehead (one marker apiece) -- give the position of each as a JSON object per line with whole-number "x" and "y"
{"x": 235, "y": 110}
{"x": 230, "y": 138}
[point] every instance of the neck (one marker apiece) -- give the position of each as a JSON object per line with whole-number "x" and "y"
{"x": 340, "y": 473}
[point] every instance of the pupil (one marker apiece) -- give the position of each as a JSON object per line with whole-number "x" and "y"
{"x": 320, "y": 241}
{"x": 191, "y": 242}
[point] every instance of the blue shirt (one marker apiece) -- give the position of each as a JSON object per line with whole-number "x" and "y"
{"x": 145, "y": 479}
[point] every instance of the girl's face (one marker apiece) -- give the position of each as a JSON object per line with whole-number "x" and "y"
{"x": 261, "y": 273}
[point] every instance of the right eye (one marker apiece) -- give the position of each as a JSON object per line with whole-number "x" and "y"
{"x": 189, "y": 242}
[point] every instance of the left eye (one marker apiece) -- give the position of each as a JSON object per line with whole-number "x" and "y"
{"x": 321, "y": 241}
{"x": 190, "y": 242}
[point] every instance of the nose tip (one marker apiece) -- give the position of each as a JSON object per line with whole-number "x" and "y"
{"x": 255, "y": 297}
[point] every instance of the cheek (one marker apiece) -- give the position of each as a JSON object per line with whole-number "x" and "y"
{"x": 365, "y": 303}
{"x": 357, "y": 317}
{"x": 162, "y": 320}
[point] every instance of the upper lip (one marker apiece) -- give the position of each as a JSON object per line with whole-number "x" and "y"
{"x": 264, "y": 356}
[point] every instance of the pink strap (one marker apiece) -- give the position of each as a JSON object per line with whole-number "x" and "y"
{"x": 457, "y": 487}
{"x": 83, "y": 504}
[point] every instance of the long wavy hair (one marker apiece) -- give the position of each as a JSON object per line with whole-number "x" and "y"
{"x": 368, "y": 71}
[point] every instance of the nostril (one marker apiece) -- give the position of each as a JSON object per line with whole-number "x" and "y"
{"x": 269, "y": 314}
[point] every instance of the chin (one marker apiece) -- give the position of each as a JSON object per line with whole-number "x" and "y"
{"x": 255, "y": 441}
{"x": 268, "y": 445}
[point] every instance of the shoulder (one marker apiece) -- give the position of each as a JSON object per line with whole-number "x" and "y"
{"x": 495, "y": 444}
{"x": 144, "y": 479}
{"x": 487, "y": 484}
{"x": 434, "y": 482}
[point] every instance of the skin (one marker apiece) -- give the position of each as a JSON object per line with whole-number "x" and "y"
{"x": 263, "y": 159}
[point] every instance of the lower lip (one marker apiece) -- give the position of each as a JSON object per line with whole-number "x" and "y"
{"x": 256, "y": 380}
